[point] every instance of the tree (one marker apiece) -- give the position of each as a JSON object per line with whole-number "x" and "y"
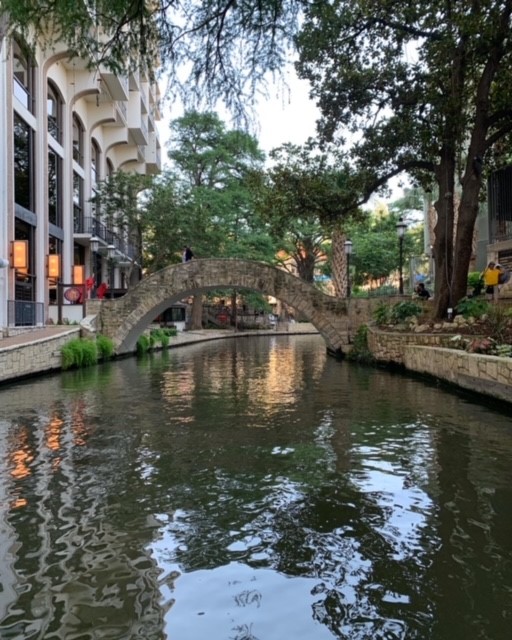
{"x": 213, "y": 205}
{"x": 425, "y": 86}
{"x": 227, "y": 48}
{"x": 298, "y": 196}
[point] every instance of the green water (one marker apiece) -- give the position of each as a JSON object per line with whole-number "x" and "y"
{"x": 252, "y": 489}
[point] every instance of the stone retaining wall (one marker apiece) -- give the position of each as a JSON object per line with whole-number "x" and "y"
{"x": 489, "y": 375}
{"x": 34, "y": 357}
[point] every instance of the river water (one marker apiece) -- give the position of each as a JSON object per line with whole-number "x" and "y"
{"x": 252, "y": 489}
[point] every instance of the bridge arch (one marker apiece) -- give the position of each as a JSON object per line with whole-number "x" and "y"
{"x": 124, "y": 319}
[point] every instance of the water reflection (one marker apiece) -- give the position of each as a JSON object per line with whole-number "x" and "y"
{"x": 252, "y": 489}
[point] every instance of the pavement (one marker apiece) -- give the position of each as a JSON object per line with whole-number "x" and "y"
{"x": 35, "y": 335}
{"x": 184, "y": 337}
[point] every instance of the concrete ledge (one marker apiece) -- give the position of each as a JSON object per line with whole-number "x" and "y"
{"x": 34, "y": 355}
{"x": 428, "y": 354}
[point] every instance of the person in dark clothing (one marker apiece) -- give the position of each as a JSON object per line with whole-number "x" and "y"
{"x": 422, "y": 292}
{"x": 187, "y": 254}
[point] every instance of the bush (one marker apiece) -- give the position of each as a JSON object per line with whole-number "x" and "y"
{"x": 360, "y": 351}
{"x": 143, "y": 344}
{"x": 403, "y": 310}
{"x": 475, "y": 283}
{"x": 472, "y": 307}
{"x": 79, "y": 353}
{"x": 105, "y": 347}
{"x": 382, "y": 313}
{"x": 399, "y": 312}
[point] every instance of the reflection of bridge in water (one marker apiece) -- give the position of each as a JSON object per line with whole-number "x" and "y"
{"x": 124, "y": 319}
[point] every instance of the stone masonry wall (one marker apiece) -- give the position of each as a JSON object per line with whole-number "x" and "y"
{"x": 489, "y": 375}
{"x": 34, "y": 357}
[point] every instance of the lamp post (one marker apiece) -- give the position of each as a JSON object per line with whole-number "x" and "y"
{"x": 348, "y": 251}
{"x": 94, "y": 245}
{"x": 111, "y": 259}
{"x": 401, "y": 226}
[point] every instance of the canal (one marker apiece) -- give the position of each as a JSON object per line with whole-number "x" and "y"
{"x": 252, "y": 489}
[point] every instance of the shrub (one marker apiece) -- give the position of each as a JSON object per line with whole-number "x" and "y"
{"x": 403, "y": 310}
{"x": 143, "y": 344}
{"x": 475, "y": 282}
{"x": 382, "y": 313}
{"x": 472, "y": 307}
{"x": 498, "y": 321}
{"x": 105, "y": 347}
{"x": 360, "y": 351}
{"x": 79, "y": 353}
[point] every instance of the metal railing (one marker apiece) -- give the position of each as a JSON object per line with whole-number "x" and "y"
{"x": 25, "y": 313}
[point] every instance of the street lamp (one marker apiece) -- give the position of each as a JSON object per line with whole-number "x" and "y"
{"x": 401, "y": 226}
{"x": 111, "y": 260}
{"x": 348, "y": 251}
{"x": 94, "y": 245}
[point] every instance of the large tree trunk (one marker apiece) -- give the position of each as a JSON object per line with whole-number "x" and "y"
{"x": 196, "y": 316}
{"x": 443, "y": 244}
{"x": 339, "y": 264}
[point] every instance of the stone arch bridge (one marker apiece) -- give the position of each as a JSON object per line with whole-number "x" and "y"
{"x": 124, "y": 319}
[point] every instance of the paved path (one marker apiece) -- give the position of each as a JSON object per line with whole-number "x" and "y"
{"x": 183, "y": 337}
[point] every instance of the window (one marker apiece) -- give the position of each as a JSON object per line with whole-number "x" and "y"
{"x": 78, "y": 203}
{"x": 54, "y": 106}
{"x": 54, "y": 188}
{"x": 23, "y": 76}
{"x": 78, "y": 140}
{"x": 95, "y": 163}
{"x": 24, "y": 168}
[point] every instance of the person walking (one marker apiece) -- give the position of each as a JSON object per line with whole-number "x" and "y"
{"x": 491, "y": 276}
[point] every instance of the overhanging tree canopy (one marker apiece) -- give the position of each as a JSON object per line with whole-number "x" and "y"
{"x": 425, "y": 88}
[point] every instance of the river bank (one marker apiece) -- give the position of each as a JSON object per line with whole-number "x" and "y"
{"x": 37, "y": 352}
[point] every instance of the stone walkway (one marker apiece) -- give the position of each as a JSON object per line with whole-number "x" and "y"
{"x": 185, "y": 337}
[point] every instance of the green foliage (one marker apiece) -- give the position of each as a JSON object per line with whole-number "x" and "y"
{"x": 385, "y": 313}
{"x": 297, "y": 196}
{"x": 472, "y": 307}
{"x": 382, "y": 313}
{"x": 476, "y": 283}
{"x": 162, "y": 336}
{"x": 143, "y": 344}
{"x": 401, "y": 311}
{"x": 79, "y": 353}
{"x": 434, "y": 114}
{"x": 360, "y": 351}
{"x": 105, "y": 347}
{"x": 205, "y": 201}
{"x": 498, "y": 319}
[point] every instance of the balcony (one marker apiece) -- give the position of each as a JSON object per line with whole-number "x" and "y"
{"x": 117, "y": 85}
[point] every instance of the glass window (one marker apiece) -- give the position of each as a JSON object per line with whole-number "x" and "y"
{"x": 78, "y": 140}
{"x": 78, "y": 203}
{"x": 54, "y": 188}
{"x": 23, "y": 164}
{"x": 54, "y": 106}
{"x": 95, "y": 163}
{"x": 23, "y": 76}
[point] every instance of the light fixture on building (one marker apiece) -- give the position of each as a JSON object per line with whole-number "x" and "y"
{"x": 4, "y": 263}
{"x": 348, "y": 252}
{"x": 94, "y": 244}
{"x": 19, "y": 255}
{"x": 78, "y": 274}
{"x": 53, "y": 266}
